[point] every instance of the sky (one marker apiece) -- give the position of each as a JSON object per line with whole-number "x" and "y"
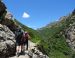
{"x": 38, "y": 13}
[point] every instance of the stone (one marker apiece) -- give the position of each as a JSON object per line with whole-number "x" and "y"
{"x": 7, "y": 42}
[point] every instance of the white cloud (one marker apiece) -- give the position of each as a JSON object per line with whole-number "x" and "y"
{"x": 25, "y": 15}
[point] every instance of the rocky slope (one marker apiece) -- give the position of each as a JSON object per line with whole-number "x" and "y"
{"x": 70, "y": 36}
{"x": 7, "y": 42}
{"x": 7, "y": 37}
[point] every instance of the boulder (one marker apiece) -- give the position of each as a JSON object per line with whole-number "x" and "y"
{"x": 8, "y": 15}
{"x": 7, "y": 42}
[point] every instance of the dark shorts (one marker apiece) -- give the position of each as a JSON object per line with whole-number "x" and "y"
{"x": 26, "y": 42}
{"x": 19, "y": 43}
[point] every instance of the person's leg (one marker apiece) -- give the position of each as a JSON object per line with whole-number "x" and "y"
{"x": 22, "y": 46}
{"x": 17, "y": 51}
{"x": 26, "y": 44}
{"x": 20, "y": 49}
{"x": 17, "y": 48}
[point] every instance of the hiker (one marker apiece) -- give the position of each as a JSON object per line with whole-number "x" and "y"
{"x": 19, "y": 34}
{"x": 25, "y": 39}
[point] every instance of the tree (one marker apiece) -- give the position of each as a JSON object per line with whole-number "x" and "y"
{"x": 2, "y": 8}
{"x": 73, "y": 12}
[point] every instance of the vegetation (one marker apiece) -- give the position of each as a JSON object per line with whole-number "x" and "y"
{"x": 54, "y": 41}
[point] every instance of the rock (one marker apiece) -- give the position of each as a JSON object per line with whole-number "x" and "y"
{"x": 3, "y": 47}
{"x": 70, "y": 35}
{"x": 34, "y": 56}
{"x": 8, "y": 15}
{"x": 7, "y": 41}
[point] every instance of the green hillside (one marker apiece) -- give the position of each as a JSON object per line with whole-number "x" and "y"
{"x": 54, "y": 41}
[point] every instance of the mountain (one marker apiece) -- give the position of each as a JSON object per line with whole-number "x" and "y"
{"x": 58, "y": 38}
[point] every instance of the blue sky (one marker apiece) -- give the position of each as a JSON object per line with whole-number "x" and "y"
{"x": 39, "y": 13}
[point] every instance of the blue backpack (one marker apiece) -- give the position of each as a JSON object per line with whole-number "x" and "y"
{"x": 19, "y": 34}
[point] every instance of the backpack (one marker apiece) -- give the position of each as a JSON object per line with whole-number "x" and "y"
{"x": 25, "y": 35}
{"x": 19, "y": 34}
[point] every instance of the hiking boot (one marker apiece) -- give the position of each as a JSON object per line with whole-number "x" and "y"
{"x": 26, "y": 48}
{"x": 17, "y": 54}
{"x": 23, "y": 52}
{"x": 26, "y": 52}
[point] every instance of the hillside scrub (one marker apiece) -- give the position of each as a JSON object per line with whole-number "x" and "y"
{"x": 54, "y": 38}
